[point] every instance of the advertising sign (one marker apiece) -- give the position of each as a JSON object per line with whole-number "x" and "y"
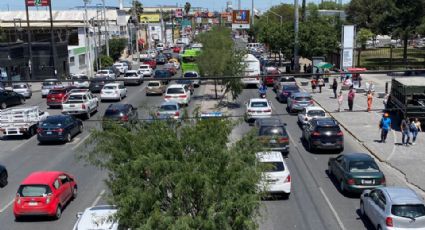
{"x": 144, "y": 18}
{"x": 240, "y": 19}
{"x": 38, "y": 2}
{"x": 348, "y": 45}
{"x": 179, "y": 13}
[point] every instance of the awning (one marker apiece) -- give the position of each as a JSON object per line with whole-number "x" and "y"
{"x": 324, "y": 65}
{"x": 356, "y": 69}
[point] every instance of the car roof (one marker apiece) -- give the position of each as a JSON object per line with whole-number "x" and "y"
{"x": 97, "y": 217}
{"x": 308, "y": 108}
{"x": 41, "y": 177}
{"x": 154, "y": 82}
{"x": 169, "y": 103}
{"x": 270, "y": 121}
{"x": 117, "y": 106}
{"x": 357, "y": 156}
{"x": 132, "y": 71}
{"x": 112, "y": 84}
{"x": 402, "y": 195}
{"x": 259, "y": 100}
{"x": 325, "y": 121}
{"x": 176, "y": 86}
{"x": 51, "y": 79}
{"x": 301, "y": 94}
{"x": 272, "y": 156}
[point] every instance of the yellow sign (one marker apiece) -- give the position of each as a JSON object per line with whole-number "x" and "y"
{"x": 149, "y": 18}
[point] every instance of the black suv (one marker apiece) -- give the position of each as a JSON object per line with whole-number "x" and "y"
{"x": 124, "y": 114}
{"x": 323, "y": 133}
{"x": 272, "y": 134}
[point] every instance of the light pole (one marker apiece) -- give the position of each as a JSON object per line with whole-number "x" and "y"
{"x": 280, "y": 16}
{"x": 296, "y": 42}
{"x": 252, "y": 12}
{"x": 87, "y": 35}
{"x": 106, "y": 28}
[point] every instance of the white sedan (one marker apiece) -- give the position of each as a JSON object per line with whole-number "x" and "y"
{"x": 258, "y": 108}
{"x": 309, "y": 113}
{"x": 113, "y": 91}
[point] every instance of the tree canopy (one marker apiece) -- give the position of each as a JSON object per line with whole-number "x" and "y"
{"x": 187, "y": 178}
{"x": 116, "y": 47}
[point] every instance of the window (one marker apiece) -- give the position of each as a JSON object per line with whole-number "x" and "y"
{"x": 56, "y": 184}
{"x": 259, "y": 104}
{"x": 82, "y": 60}
{"x": 71, "y": 60}
{"x": 175, "y": 91}
{"x": 272, "y": 131}
{"x": 273, "y": 166}
{"x": 64, "y": 179}
{"x": 168, "y": 108}
{"x": 408, "y": 210}
{"x": 34, "y": 190}
{"x": 363, "y": 166}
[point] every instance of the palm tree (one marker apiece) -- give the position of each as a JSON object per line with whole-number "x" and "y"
{"x": 187, "y": 8}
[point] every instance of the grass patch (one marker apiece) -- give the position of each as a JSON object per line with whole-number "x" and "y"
{"x": 380, "y": 58}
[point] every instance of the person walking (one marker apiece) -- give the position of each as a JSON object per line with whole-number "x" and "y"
{"x": 340, "y": 100}
{"x": 385, "y": 126}
{"x": 405, "y": 132}
{"x": 335, "y": 87}
{"x": 313, "y": 84}
{"x": 414, "y": 130}
{"x": 351, "y": 95}
{"x": 369, "y": 100}
{"x": 321, "y": 83}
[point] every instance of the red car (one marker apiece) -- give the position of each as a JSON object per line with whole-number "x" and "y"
{"x": 271, "y": 77}
{"x": 57, "y": 96}
{"x": 150, "y": 62}
{"x": 170, "y": 67}
{"x": 44, "y": 193}
{"x": 177, "y": 49}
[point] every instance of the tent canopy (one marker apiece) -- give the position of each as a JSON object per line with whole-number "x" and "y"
{"x": 324, "y": 65}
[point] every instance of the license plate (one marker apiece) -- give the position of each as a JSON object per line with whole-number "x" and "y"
{"x": 367, "y": 181}
{"x": 272, "y": 141}
{"x": 48, "y": 133}
{"x": 32, "y": 203}
{"x": 53, "y": 98}
{"x": 72, "y": 106}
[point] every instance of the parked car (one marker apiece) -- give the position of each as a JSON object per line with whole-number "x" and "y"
{"x": 134, "y": 77}
{"x": 146, "y": 70}
{"x": 105, "y": 73}
{"x": 168, "y": 55}
{"x": 276, "y": 179}
{"x": 272, "y": 135}
{"x": 128, "y": 63}
{"x": 57, "y": 96}
{"x": 49, "y": 84}
{"x": 170, "y": 110}
{"x": 124, "y": 114}
{"x": 161, "y": 59}
{"x": 80, "y": 81}
{"x": 355, "y": 172}
{"x": 89, "y": 219}
{"x": 178, "y": 93}
{"x": 170, "y": 67}
{"x": 193, "y": 74}
{"x": 122, "y": 67}
{"x": 44, "y": 193}
{"x": 149, "y": 61}
{"x": 162, "y": 75}
{"x": 97, "y": 83}
{"x": 257, "y": 108}
{"x": 282, "y": 81}
{"x": 390, "y": 208}
{"x": 80, "y": 102}
{"x": 298, "y": 101}
{"x": 309, "y": 113}
{"x": 155, "y": 87}
{"x": 22, "y": 88}
{"x": 8, "y": 98}
{"x": 286, "y": 91}
{"x": 113, "y": 91}
{"x": 323, "y": 133}
{"x": 3, "y": 176}
{"x": 59, "y": 128}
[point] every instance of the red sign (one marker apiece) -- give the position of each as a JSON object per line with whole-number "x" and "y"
{"x": 179, "y": 13}
{"x": 37, "y": 2}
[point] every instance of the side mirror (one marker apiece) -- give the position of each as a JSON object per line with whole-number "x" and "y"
{"x": 79, "y": 214}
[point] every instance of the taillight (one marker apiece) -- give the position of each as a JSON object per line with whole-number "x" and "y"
{"x": 311, "y": 102}
{"x": 177, "y": 113}
{"x": 283, "y": 139}
{"x": 340, "y": 133}
{"x": 315, "y": 134}
{"x": 58, "y": 130}
{"x": 124, "y": 118}
{"x": 18, "y": 198}
{"x": 39, "y": 130}
{"x": 267, "y": 110}
{"x": 167, "y": 97}
{"x": 251, "y": 111}
{"x": 383, "y": 181}
{"x": 350, "y": 181}
{"x": 288, "y": 179}
{"x": 389, "y": 222}
{"x": 83, "y": 106}
{"x": 48, "y": 199}
{"x": 182, "y": 96}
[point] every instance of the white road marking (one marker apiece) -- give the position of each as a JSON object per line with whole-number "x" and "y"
{"x": 341, "y": 225}
{"x": 98, "y": 198}
{"x": 21, "y": 144}
{"x": 82, "y": 141}
{"x": 7, "y": 206}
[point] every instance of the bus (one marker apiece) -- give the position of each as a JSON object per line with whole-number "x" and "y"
{"x": 188, "y": 60}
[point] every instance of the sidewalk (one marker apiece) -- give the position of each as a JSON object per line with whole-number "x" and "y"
{"x": 364, "y": 127}
{"x": 208, "y": 103}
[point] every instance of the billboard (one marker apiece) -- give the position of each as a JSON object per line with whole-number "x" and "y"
{"x": 149, "y": 18}
{"x": 348, "y": 45}
{"x": 240, "y": 19}
{"x": 178, "y": 13}
{"x": 37, "y": 2}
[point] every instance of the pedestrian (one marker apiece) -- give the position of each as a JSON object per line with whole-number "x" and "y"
{"x": 369, "y": 100}
{"x": 340, "y": 99}
{"x": 351, "y": 95}
{"x": 321, "y": 83}
{"x": 385, "y": 101}
{"x": 335, "y": 87}
{"x": 305, "y": 68}
{"x": 359, "y": 78}
{"x": 313, "y": 84}
{"x": 414, "y": 130}
{"x": 405, "y": 132}
{"x": 385, "y": 126}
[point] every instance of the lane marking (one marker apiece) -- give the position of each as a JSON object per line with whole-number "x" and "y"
{"x": 7, "y": 206}
{"x": 21, "y": 144}
{"x": 81, "y": 141}
{"x": 341, "y": 225}
{"x": 98, "y": 198}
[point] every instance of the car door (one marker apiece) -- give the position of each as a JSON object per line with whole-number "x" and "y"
{"x": 66, "y": 187}
{"x": 336, "y": 167}
{"x": 381, "y": 205}
{"x": 72, "y": 123}
{"x": 373, "y": 207}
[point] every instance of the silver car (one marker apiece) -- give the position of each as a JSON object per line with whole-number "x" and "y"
{"x": 298, "y": 101}
{"x": 390, "y": 208}
{"x": 22, "y": 88}
{"x": 169, "y": 110}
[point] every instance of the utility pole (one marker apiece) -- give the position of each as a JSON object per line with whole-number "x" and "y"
{"x": 296, "y": 42}
{"x": 252, "y": 12}
{"x": 162, "y": 26}
{"x": 87, "y": 34}
{"x": 55, "y": 72}
{"x": 29, "y": 43}
{"x": 106, "y": 28}
{"x": 136, "y": 19}
{"x": 239, "y": 4}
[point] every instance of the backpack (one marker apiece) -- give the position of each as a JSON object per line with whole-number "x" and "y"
{"x": 413, "y": 127}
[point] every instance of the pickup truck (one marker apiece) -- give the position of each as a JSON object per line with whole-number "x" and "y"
{"x": 21, "y": 121}
{"x": 80, "y": 102}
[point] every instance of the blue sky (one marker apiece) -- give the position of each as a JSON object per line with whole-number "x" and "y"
{"x": 211, "y": 4}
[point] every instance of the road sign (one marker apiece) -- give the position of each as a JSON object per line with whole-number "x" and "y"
{"x": 38, "y": 2}
{"x": 240, "y": 19}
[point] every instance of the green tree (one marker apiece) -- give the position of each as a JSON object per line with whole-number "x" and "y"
{"x": 187, "y": 7}
{"x": 363, "y": 13}
{"x": 185, "y": 179}
{"x": 105, "y": 61}
{"x": 116, "y": 47}
{"x": 220, "y": 58}
{"x": 136, "y": 9}
{"x": 363, "y": 36}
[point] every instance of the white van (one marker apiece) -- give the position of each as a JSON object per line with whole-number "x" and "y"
{"x": 252, "y": 70}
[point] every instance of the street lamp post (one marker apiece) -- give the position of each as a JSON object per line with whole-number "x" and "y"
{"x": 87, "y": 35}
{"x": 106, "y": 28}
{"x": 280, "y": 16}
{"x": 296, "y": 42}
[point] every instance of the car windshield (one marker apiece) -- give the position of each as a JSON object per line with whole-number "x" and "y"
{"x": 190, "y": 75}
{"x": 52, "y": 122}
{"x": 328, "y": 129}
{"x": 79, "y": 78}
{"x": 103, "y": 72}
{"x": 113, "y": 113}
{"x": 363, "y": 166}
{"x": 175, "y": 91}
{"x": 143, "y": 67}
{"x": 188, "y": 59}
{"x": 109, "y": 87}
{"x": 161, "y": 73}
{"x": 283, "y": 79}
{"x": 318, "y": 113}
{"x": 272, "y": 131}
{"x": 20, "y": 86}
{"x": 56, "y": 91}
{"x": 168, "y": 108}
{"x": 259, "y": 104}
{"x": 273, "y": 166}
{"x": 302, "y": 98}
{"x": 153, "y": 84}
{"x": 408, "y": 210}
{"x": 290, "y": 87}
{"x": 131, "y": 75}
{"x": 34, "y": 190}
{"x": 50, "y": 83}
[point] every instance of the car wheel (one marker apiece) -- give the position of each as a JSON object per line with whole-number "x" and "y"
{"x": 68, "y": 138}
{"x": 379, "y": 228}
{"x": 58, "y": 213}
{"x": 22, "y": 101}
{"x": 80, "y": 128}
{"x": 310, "y": 146}
{"x": 330, "y": 174}
{"x": 74, "y": 192}
{"x": 3, "y": 105}
{"x": 342, "y": 186}
{"x": 88, "y": 115}
{"x": 285, "y": 196}
{"x": 31, "y": 132}
{"x": 362, "y": 209}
